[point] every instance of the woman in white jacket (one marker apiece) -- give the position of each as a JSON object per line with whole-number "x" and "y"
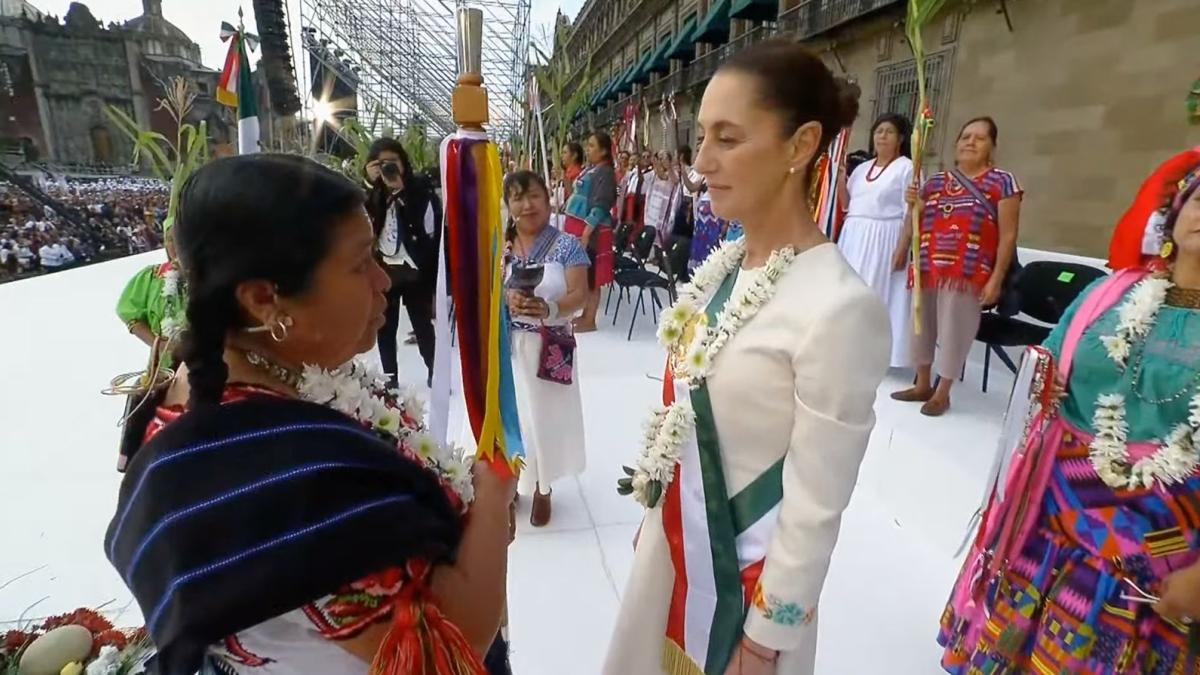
{"x": 776, "y": 351}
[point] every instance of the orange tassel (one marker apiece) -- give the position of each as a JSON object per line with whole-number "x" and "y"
{"x": 422, "y": 641}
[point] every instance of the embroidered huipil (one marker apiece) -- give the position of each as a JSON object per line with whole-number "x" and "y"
{"x": 1059, "y": 607}
{"x": 959, "y": 237}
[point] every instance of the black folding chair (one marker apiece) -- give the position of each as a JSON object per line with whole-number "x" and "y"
{"x": 640, "y": 278}
{"x": 621, "y": 260}
{"x": 1045, "y": 290}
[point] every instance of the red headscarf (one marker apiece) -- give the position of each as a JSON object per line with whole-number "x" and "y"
{"x": 1135, "y": 242}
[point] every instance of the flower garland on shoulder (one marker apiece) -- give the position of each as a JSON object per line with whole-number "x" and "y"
{"x": 1177, "y": 457}
{"x": 174, "y": 318}
{"x": 694, "y": 347}
{"x": 362, "y": 392}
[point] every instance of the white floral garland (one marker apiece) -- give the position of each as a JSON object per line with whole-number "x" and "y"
{"x": 172, "y": 324}
{"x": 1135, "y": 317}
{"x": 668, "y": 428}
{"x": 1177, "y": 457}
{"x": 362, "y": 393}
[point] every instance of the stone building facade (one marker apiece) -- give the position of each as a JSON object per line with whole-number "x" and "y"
{"x": 1088, "y": 94}
{"x": 58, "y": 77}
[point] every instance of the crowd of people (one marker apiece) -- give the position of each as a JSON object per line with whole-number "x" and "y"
{"x": 95, "y": 219}
{"x": 776, "y": 348}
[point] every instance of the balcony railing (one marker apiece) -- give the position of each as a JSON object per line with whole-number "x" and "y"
{"x": 703, "y": 68}
{"x": 813, "y": 17}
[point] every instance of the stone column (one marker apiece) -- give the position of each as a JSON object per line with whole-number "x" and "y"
{"x": 141, "y": 109}
{"x": 39, "y": 91}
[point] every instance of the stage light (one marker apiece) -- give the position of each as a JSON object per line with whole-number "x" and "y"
{"x": 323, "y": 111}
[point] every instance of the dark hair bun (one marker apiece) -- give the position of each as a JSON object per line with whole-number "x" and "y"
{"x": 848, "y": 94}
{"x": 798, "y": 85}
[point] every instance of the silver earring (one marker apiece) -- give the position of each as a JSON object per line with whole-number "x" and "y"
{"x": 279, "y": 329}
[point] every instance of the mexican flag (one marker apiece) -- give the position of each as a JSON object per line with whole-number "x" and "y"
{"x": 236, "y": 89}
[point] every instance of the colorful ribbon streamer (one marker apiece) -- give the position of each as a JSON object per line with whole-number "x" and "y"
{"x": 475, "y": 249}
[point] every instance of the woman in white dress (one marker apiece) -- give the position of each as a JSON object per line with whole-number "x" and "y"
{"x": 875, "y": 225}
{"x": 776, "y": 350}
{"x": 547, "y": 282}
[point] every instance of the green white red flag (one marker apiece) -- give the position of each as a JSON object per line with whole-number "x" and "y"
{"x": 236, "y": 88}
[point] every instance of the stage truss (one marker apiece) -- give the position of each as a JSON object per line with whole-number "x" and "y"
{"x": 401, "y": 57}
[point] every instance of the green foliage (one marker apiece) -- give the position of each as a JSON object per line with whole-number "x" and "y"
{"x": 553, "y": 78}
{"x": 422, "y": 151}
{"x": 171, "y": 162}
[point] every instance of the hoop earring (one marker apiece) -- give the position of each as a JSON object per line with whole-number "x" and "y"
{"x": 1168, "y": 249}
{"x": 279, "y": 329}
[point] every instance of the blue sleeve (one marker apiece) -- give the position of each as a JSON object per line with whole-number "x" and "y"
{"x": 1055, "y": 341}
{"x": 571, "y": 253}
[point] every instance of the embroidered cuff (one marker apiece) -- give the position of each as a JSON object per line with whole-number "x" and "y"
{"x": 778, "y": 623}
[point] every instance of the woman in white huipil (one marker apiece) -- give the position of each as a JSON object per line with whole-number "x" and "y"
{"x": 875, "y": 225}
{"x": 776, "y": 351}
{"x": 543, "y": 357}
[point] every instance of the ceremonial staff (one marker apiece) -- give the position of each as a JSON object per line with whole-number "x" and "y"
{"x": 472, "y": 261}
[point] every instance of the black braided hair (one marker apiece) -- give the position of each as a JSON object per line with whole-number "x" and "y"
{"x": 252, "y": 217}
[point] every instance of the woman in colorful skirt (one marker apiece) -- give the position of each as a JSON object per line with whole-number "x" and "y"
{"x": 1089, "y": 565}
{"x": 874, "y": 226}
{"x": 969, "y": 220}
{"x": 747, "y": 471}
{"x": 589, "y": 217}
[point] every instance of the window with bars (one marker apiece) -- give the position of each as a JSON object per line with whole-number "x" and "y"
{"x": 896, "y": 90}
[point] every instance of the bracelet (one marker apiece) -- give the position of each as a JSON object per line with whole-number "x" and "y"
{"x": 130, "y": 325}
{"x": 772, "y": 658}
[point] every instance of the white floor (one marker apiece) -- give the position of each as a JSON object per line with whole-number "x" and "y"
{"x": 60, "y": 343}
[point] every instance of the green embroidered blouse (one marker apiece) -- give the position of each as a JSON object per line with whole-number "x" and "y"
{"x": 1165, "y": 366}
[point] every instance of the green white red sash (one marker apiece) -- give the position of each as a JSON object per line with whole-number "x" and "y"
{"x": 717, "y": 544}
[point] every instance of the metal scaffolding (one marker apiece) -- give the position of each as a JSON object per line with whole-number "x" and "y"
{"x": 401, "y": 56}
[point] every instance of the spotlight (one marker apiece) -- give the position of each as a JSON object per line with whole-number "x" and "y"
{"x": 323, "y": 111}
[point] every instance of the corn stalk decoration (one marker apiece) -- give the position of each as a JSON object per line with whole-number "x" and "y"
{"x": 553, "y": 78}
{"x": 171, "y": 162}
{"x": 920, "y": 14}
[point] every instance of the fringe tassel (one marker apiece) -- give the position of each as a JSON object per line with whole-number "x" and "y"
{"x": 421, "y": 641}
{"x": 676, "y": 661}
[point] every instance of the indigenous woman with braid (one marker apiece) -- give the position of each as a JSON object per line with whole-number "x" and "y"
{"x": 287, "y": 513}
{"x": 1090, "y": 562}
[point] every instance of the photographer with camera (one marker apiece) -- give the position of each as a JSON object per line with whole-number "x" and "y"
{"x": 407, "y": 216}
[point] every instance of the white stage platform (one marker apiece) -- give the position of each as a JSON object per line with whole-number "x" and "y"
{"x": 61, "y": 343}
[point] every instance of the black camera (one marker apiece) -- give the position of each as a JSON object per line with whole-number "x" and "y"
{"x": 391, "y": 170}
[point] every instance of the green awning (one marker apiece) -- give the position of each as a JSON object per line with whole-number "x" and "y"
{"x": 659, "y": 61}
{"x": 755, "y": 10}
{"x": 683, "y": 48}
{"x": 598, "y": 97}
{"x": 714, "y": 29}
{"x": 625, "y": 83}
{"x": 641, "y": 72}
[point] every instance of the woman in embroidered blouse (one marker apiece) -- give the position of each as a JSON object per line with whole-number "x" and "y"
{"x": 366, "y": 548}
{"x": 874, "y": 225}
{"x": 547, "y": 381}
{"x": 733, "y": 551}
{"x": 149, "y": 304}
{"x": 969, "y": 221}
{"x": 1114, "y": 518}
{"x": 589, "y": 217}
{"x": 661, "y": 196}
